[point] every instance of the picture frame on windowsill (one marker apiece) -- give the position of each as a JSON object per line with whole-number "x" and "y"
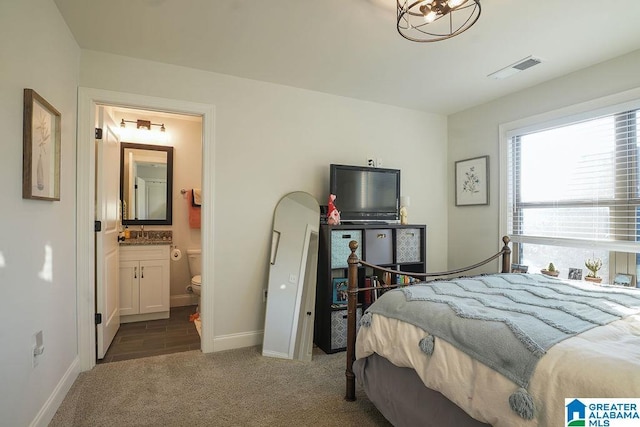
{"x": 623, "y": 279}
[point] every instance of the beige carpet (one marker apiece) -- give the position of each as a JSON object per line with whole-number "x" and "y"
{"x": 230, "y": 388}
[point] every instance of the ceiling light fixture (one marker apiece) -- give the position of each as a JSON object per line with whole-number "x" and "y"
{"x": 435, "y": 20}
{"x": 142, "y": 124}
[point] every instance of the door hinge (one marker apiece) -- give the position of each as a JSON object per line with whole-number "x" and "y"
{"x": 98, "y": 318}
{"x": 97, "y": 226}
{"x": 98, "y": 133}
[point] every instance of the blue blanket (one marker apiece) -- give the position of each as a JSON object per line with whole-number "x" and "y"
{"x": 507, "y": 321}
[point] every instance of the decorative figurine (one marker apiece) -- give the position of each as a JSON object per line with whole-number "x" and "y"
{"x": 403, "y": 216}
{"x": 333, "y": 215}
{"x": 405, "y": 201}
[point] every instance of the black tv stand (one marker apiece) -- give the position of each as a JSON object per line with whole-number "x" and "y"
{"x": 366, "y": 222}
{"x": 396, "y": 246}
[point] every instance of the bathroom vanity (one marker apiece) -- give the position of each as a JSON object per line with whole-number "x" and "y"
{"x": 144, "y": 281}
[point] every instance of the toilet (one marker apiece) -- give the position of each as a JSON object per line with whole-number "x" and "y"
{"x": 194, "y": 257}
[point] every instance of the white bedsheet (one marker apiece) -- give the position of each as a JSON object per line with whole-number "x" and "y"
{"x": 601, "y": 362}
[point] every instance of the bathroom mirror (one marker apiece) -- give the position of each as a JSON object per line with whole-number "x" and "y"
{"x": 291, "y": 292}
{"x": 146, "y": 184}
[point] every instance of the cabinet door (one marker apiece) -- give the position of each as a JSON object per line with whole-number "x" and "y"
{"x": 129, "y": 287}
{"x": 408, "y": 245}
{"x": 340, "y": 246}
{"x": 339, "y": 328}
{"x": 379, "y": 246}
{"x": 154, "y": 286}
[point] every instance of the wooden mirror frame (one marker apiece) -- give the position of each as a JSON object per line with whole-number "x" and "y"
{"x": 169, "y": 195}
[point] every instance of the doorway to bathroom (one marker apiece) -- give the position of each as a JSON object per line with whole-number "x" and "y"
{"x": 155, "y": 337}
{"x": 153, "y": 180}
{"x": 89, "y": 99}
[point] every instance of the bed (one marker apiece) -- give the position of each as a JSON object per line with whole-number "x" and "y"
{"x": 503, "y": 349}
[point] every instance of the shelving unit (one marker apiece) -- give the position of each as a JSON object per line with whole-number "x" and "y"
{"x": 399, "y": 247}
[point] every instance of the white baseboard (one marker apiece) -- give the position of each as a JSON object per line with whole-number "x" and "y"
{"x": 48, "y": 410}
{"x": 232, "y": 341}
{"x": 182, "y": 300}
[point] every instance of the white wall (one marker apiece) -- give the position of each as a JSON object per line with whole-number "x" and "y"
{"x": 186, "y": 139}
{"x": 474, "y": 132}
{"x": 271, "y": 140}
{"x": 37, "y": 51}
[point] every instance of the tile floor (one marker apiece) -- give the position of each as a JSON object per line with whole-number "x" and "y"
{"x": 155, "y": 337}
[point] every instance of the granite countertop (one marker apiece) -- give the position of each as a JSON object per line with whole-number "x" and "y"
{"x": 138, "y": 242}
{"x": 152, "y": 237}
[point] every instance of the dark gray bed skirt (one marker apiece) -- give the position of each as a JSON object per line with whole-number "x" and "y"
{"x": 403, "y": 399}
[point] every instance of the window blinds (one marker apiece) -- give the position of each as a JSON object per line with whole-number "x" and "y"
{"x": 576, "y": 184}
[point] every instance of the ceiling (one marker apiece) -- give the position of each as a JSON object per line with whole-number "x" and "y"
{"x": 351, "y": 47}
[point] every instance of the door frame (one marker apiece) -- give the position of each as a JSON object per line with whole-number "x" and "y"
{"x": 88, "y": 99}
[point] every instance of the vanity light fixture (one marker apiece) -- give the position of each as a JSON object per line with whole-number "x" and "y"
{"x": 142, "y": 124}
{"x": 435, "y": 20}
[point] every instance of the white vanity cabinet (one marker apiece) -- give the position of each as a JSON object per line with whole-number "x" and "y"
{"x": 144, "y": 282}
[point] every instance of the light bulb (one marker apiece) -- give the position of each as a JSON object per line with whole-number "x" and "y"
{"x": 455, "y": 3}
{"x": 431, "y": 16}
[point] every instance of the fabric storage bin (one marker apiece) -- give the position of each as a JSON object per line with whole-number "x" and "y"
{"x": 340, "y": 246}
{"x": 379, "y": 246}
{"x": 408, "y": 245}
{"x": 339, "y": 328}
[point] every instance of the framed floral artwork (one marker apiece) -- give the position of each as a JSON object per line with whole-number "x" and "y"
{"x": 41, "y": 149}
{"x": 472, "y": 181}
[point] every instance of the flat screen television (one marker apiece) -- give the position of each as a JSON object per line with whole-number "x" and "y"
{"x": 365, "y": 194}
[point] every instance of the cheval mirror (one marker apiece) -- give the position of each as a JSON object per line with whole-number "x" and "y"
{"x": 291, "y": 292}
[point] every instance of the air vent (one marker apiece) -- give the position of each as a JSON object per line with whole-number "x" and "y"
{"x": 514, "y": 68}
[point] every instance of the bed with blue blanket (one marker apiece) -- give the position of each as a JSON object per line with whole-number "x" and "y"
{"x": 502, "y": 349}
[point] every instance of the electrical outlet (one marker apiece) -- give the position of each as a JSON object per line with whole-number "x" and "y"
{"x": 37, "y": 349}
{"x": 371, "y": 162}
{"x": 34, "y": 356}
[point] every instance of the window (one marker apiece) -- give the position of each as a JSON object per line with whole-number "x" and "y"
{"x": 573, "y": 193}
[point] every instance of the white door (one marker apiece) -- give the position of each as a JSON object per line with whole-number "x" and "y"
{"x": 108, "y": 213}
{"x": 141, "y": 198}
{"x": 157, "y": 199}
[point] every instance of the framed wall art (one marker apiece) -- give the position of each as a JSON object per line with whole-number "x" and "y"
{"x": 41, "y": 149}
{"x": 472, "y": 181}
